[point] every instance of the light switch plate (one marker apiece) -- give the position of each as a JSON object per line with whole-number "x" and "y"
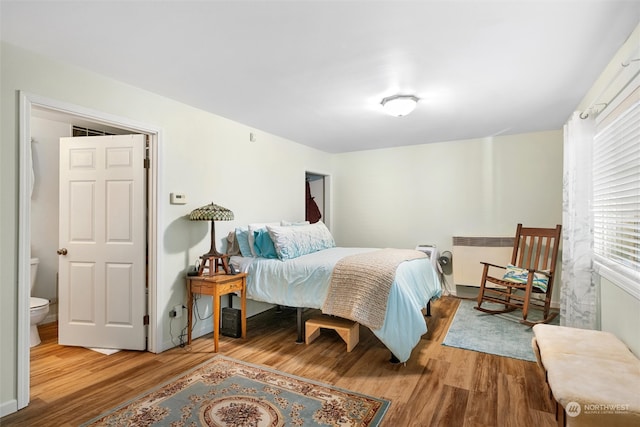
{"x": 178, "y": 199}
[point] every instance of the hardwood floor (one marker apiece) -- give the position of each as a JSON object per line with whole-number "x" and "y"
{"x": 439, "y": 385}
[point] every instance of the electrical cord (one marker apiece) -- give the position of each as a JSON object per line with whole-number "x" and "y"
{"x": 181, "y": 336}
{"x": 183, "y": 333}
{"x": 446, "y": 290}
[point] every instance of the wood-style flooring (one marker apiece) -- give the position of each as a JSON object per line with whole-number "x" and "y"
{"x": 438, "y": 386}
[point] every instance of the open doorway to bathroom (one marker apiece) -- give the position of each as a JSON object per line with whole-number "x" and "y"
{"x": 47, "y": 127}
{"x": 43, "y": 122}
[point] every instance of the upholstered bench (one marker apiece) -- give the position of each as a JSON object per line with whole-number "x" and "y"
{"x": 348, "y": 330}
{"x": 593, "y": 377}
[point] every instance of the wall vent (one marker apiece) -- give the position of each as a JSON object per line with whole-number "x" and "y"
{"x": 488, "y": 242}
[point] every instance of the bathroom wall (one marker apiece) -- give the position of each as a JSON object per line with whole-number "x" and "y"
{"x": 44, "y": 208}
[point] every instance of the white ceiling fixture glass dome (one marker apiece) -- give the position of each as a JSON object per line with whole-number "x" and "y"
{"x": 399, "y": 105}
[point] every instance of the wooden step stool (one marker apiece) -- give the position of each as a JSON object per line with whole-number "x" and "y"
{"x": 348, "y": 330}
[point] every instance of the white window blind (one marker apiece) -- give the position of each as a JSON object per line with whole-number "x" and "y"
{"x": 616, "y": 191}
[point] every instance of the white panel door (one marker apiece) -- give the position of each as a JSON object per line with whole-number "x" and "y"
{"x": 102, "y": 235}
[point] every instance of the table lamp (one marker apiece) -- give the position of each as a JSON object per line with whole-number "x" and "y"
{"x": 214, "y": 258}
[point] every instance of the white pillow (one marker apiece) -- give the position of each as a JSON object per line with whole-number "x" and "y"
{"x": 255, "y": 227}
{"x": 292, "y": 242}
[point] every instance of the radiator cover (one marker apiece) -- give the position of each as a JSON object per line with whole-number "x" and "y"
{"x": 468, "y": 252}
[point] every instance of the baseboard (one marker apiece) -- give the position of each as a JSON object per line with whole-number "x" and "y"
{"x": 52, "y": 316}
{"x": 463, "y": 291}
{"x": 8, "y": 407}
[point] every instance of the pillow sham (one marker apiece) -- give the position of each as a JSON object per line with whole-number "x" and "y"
{"x": 242, "y": 237}
{"x": 263, "y": 245}
{"x": 232, "y": 244}
{"x": 520, "y": 275}
{"x": 292, "y": 242}
{"x": 252, "y": 229}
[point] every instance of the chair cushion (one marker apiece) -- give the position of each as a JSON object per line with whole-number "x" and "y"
{"x": 565, "y": 339}
{"x": 520, "y": 275}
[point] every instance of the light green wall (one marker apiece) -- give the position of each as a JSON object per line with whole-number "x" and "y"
{"x": 620, "y": 314}
{"x": 205, "y": 156}
{"x": 429, "y": 193}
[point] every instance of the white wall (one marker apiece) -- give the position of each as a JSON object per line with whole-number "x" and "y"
{"x": 205, "y": 156}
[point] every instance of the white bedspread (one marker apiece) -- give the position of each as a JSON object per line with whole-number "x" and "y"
{"x": 304, "y": 282}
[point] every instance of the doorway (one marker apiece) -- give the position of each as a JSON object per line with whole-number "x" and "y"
{"x": 317, "y": 185}
{"x": 30, "y": 105}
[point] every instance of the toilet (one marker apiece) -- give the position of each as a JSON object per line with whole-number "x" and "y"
{"x": 38, "y": 307}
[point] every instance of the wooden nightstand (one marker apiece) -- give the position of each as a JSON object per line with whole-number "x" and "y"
{"x": 216, "y": 286}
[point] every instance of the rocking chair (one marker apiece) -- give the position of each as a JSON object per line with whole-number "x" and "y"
{"x": 531, "y": 271}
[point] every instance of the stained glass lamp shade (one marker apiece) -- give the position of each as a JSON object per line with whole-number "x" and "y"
{"x": 212, "y": 212}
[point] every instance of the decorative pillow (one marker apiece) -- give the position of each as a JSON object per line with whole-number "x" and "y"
{"x": 292, "y": 242}
{"x": 252, "y": 229}
{"x": 520, "y": 275}
{"x": 232, "y": 244}
{"x": 263, "y": 245}
{"x": 242, "y": 237}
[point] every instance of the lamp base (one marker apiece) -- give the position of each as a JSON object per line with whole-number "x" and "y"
{"x": 218, "y": 264}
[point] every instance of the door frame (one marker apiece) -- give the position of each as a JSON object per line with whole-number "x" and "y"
{"x": 27, "y": 102}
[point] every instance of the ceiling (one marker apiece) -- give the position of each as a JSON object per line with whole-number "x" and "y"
{"x": 315, "y": 72}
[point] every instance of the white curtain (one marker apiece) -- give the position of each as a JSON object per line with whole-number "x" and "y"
{"x": 578, "y": 295}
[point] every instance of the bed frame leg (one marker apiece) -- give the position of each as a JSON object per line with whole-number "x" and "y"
{"x": 300, "y": 339}
{"x": 429, "y": 309}
{"x": 394, "y": 359}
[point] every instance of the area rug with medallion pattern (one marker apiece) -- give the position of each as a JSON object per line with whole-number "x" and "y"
{"x": 229, "y": 392}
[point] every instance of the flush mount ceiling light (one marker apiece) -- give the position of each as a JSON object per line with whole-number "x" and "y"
{"x": 399, "y": 105}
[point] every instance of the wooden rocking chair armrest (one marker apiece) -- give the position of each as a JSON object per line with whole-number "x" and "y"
{"x": 493, "y": 265}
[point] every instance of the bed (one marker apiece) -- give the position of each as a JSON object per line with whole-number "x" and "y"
{"x": 297, "y": 272}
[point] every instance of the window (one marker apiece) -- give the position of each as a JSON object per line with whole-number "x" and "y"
{"x": 616, "y": 190}
{"x": 81, "y": 131}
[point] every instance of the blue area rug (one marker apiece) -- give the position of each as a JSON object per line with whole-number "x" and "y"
{"x": 229, "y": 392}
{"x": 500, "y": 334}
